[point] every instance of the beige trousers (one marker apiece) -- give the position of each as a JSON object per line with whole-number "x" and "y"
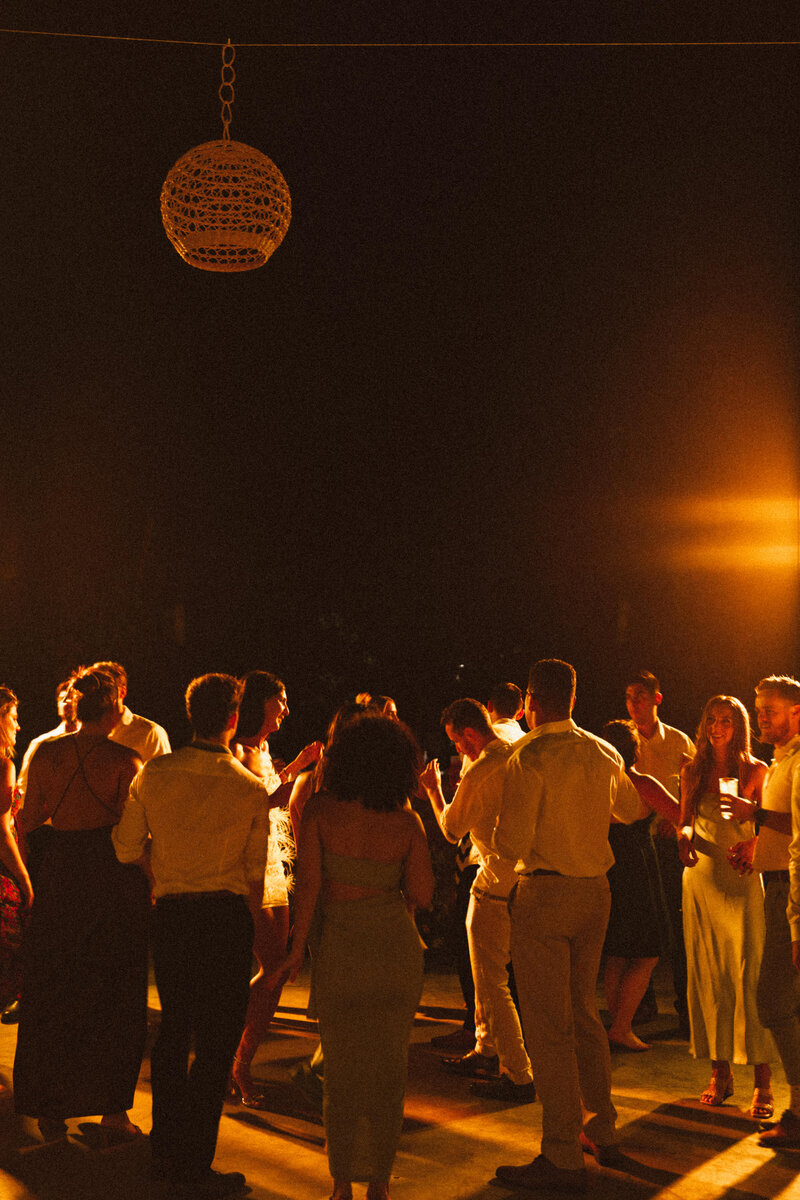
{"x": 558, "y": 924}
{"x": 497, "y": 1027}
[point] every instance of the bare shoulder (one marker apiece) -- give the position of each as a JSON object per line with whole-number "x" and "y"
{"x": 756, "y": 770}
{"x": 411, "y": 821}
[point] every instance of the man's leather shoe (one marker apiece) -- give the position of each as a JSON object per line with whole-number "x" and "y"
{"x": 503, "y": 1088}
{"x": 459, "y": 1042}
{"x": 473, "y": 1064}
{"x": 785, "y": 1134}
{"x": 10, "y": 1014}
{"x": 542, "y": 1175}
{"x": 211, "y": 1185}
{"x": 607, "y": 1155}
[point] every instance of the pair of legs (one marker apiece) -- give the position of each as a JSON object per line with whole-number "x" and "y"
{"x": 271, "y": 935}
{"x": 202, "y": 946}
{"x": 778, "y": 991}
{"x": 720, "y": 1087}
{"x": 343, "y": 1190}
{"x": 558, "y": 925}
{"x": 625, "y": 982}
{"x": 489, "y": 934}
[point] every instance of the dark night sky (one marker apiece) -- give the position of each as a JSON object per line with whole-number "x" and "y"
{"x": 529, "y": 342}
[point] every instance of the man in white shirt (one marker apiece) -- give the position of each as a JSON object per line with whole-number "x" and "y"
{"x": 775, "y": 852}
{"x": 561, "y": 788}
{"x": 506, "y": 707}
{"x": 198, "y": 821}
{"x": 145, "y": 737}
{"x": 65, "y": 705}
{"x": 662, "y": 752}
{"x": 473, "y": 810}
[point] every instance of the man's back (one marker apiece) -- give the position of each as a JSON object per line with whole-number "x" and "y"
{"x": 208, "y": 819}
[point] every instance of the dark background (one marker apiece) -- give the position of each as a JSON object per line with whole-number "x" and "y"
{"x": 521, "y": 380}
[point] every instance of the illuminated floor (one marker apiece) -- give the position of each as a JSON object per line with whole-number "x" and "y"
{"x": 678, "y": 1150}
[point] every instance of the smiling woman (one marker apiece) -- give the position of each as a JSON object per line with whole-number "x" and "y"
{"x": 723, "y": 914}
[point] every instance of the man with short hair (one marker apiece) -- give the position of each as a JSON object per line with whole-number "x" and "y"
{"x": 662, "y": 752}
{"x": 506, "y": 707}
{"x": 775, "y": 852}
{"x": 65, "y": 706}
{"x": 473, "y": 810}
{"x": 199, "y": 821}
{"x": 562, "y": 785}
{"x": 145, "y": 737}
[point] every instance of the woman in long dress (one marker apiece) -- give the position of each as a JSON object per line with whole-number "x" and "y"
{"x": 723, "y": 913}
{"x": 263, "y": 709}
{"x": 633, "y": 940}
{"x": 83, "y": 1011}
{"x": 16, "y": 893}
{"x": 363, "y": 851}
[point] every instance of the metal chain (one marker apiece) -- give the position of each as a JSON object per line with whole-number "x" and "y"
{"x": 226, "y": 92}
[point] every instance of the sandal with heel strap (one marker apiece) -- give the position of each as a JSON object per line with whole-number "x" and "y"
{"x": 718, "y": 1091}
{"x": 762, "y": 1106}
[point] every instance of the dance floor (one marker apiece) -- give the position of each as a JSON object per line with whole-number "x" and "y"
{"x": 676, "y": 1148}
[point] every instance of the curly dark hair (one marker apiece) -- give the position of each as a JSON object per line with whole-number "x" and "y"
{"x": 374, "y": 760}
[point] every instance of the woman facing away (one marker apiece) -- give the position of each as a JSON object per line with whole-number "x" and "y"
{"x": 633, "y": 941}
{"x": 363, "y": 852}
{"x": 723, "y": 913}
{"x": 261, "y": 713}
{"x": 16, "y": 893}
{"x": 83, "y": 1012}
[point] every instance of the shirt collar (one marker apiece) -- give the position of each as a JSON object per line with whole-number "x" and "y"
{"x": 553, "y": 727}
{"x": 791, "y": 747}
{"x": 656, "y": 736}
{"x": 212, "y": 747}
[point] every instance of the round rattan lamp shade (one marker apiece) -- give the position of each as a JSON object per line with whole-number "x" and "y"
{"x": 225, "y": 207}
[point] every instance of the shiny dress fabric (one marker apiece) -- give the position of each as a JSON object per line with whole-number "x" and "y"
{"x": 723, "y": 925}
{"x": 368, "y": 982}
{"x": 83, "y": 1012}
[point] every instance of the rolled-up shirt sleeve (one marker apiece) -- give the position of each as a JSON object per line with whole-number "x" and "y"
{"x": 626, "y": 803}
{"x": 131, "y": 834}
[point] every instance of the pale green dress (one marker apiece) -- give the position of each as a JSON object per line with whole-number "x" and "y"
{"x": 368, "y": 971}
{"x": 723, "y": 927}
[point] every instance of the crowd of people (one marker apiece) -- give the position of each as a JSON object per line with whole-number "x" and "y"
{"x": 576, "y": 854}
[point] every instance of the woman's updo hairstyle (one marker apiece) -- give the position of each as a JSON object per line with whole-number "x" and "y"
{"x": 96, "y": 692}
{"x": 374, "y": 760}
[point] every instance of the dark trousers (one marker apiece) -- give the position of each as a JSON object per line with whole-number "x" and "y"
{"x": 202, "y": 948}
{"x": 461, "y": 943}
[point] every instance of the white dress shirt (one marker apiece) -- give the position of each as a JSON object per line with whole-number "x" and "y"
{"x": 780, "y": 792}
{"x": 207, "y": 817}
{"x": 561, "y": 787}
{"x": 663, "y": 754}
{"x": 474, "y": 810}
{"x": 137, "y": 733}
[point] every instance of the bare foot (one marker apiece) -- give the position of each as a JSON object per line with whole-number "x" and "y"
{"x": 342, "y": 1191}
{"x": 626, "y": 1040}
{"x": 378, "y": 1191}
{"x": 120, "y": 1121}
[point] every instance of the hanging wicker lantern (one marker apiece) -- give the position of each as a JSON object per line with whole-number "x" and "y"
{"x": 225, "y": 206}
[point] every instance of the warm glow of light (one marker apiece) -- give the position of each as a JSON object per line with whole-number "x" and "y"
{"x": 716, "y": 556}
{"x": 724, "y": 533}
{"x": 732, "y": 510}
